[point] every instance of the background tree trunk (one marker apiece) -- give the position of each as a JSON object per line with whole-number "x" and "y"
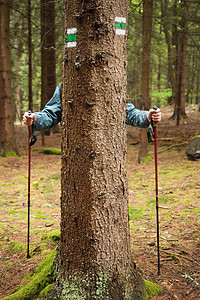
{"x": 7, "y": 132}
{"x": 48, "y": 59}
{"x": 146, "y": 46}
{"x": 30, "y": 73}
{"x": 48, "y": 62}
{"x": 183, "y": 39}
{"x": 95, "y": 255}
{"x": 198, "y": 82}
{"x": 18, "y": 51}
{"x": 167, "y": 31}
{"x": 181, "y": 59}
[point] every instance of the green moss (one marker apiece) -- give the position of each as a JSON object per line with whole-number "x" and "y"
{"x": 12, "y": 212}
{"x": 54, "y": 151}
{"x": 43, "y": 294}
{"x": 54, "y": 236}
{"x": 196, "y": 211}
{"x": 197, "y": 136}
{"x": 164, "y": 172}
{"x": 2, "y": 232}
{"x": 55, "y": 176}
{"x": 35, "y": 184}
{"x": 139, "y": 174}
{"x": 40, "y": 279}
{"x": 152, "y": 289}
{"x": 14, "y": 246}
{"x": 10, "y": 153}
{"x": 146, "y": 159}
{"x": 135, "y": 213}
{"x": 9, "y": 265}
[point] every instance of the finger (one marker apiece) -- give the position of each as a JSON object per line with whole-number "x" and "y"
{"x": 29, "y": 117}
{"x": 156, "y": 118}
{"x": 28, "y": 120}
{"x": 156, "y": 112}
{"x": 156, "y": 115}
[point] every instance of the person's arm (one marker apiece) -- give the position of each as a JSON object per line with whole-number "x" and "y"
{"x": 51, "y": 114}
{"x": 136, "y": 117}
{"x": 141, "y": 118}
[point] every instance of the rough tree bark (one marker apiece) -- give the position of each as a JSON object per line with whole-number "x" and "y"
{"x": 7, "y": 132}
{"x": 146, "y": 51}
{"x": 95, "y": 256}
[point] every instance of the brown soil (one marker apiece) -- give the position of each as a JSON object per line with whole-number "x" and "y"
{"x": 179, "y": 212}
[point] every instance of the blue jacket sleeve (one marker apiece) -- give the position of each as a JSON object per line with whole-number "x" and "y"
{"x": 51, "y": 114}
{"x": 136, "y": 117}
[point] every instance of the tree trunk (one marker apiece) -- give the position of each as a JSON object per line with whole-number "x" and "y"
{"x": 48, "y": 60}
{"x": 18, "y": 92}
{"x": 146, "y": 51}
{"x": 18, "y": 106}
{"x": 181, "y": 66}
{"x": 166, "y": 29}
{"x": 7, "y": 132}
{"x": 198, "y": 82}
{"x": 95, "y": 254}
{"x": 159, "y": 73}
{"x": 30, "y": 75}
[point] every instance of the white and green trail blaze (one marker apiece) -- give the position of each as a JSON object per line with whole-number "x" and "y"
{"x": 120, "y": 26}
{"x": 71, "y": 37}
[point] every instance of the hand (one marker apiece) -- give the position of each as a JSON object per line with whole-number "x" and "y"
{"x": 29, "y": 119}
{"x": 155, "y": 115}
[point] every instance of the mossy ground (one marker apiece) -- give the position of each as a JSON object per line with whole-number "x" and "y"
{"x": 179, "y": 196}
{"x": 39, "y": 281}
{"x": 152, "y": 289}
{"x": 10, "y": 153}
{"x": 52, "y": 151}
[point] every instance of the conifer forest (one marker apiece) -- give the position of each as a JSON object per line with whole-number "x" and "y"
{"x": 97, "y": 200}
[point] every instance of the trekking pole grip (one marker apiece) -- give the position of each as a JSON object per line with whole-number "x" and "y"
{"x": 155, "y": 108}
{"x": 29, "y": 113}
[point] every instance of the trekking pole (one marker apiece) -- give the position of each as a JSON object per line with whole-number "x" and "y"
{"x": 31, "y": 140}
{"x": 29, "y": 185}
{"x": 153, "y": 130}
{"x": 157, "y": 205}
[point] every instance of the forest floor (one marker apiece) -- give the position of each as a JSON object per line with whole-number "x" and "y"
{"x": 179, "y": 199}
